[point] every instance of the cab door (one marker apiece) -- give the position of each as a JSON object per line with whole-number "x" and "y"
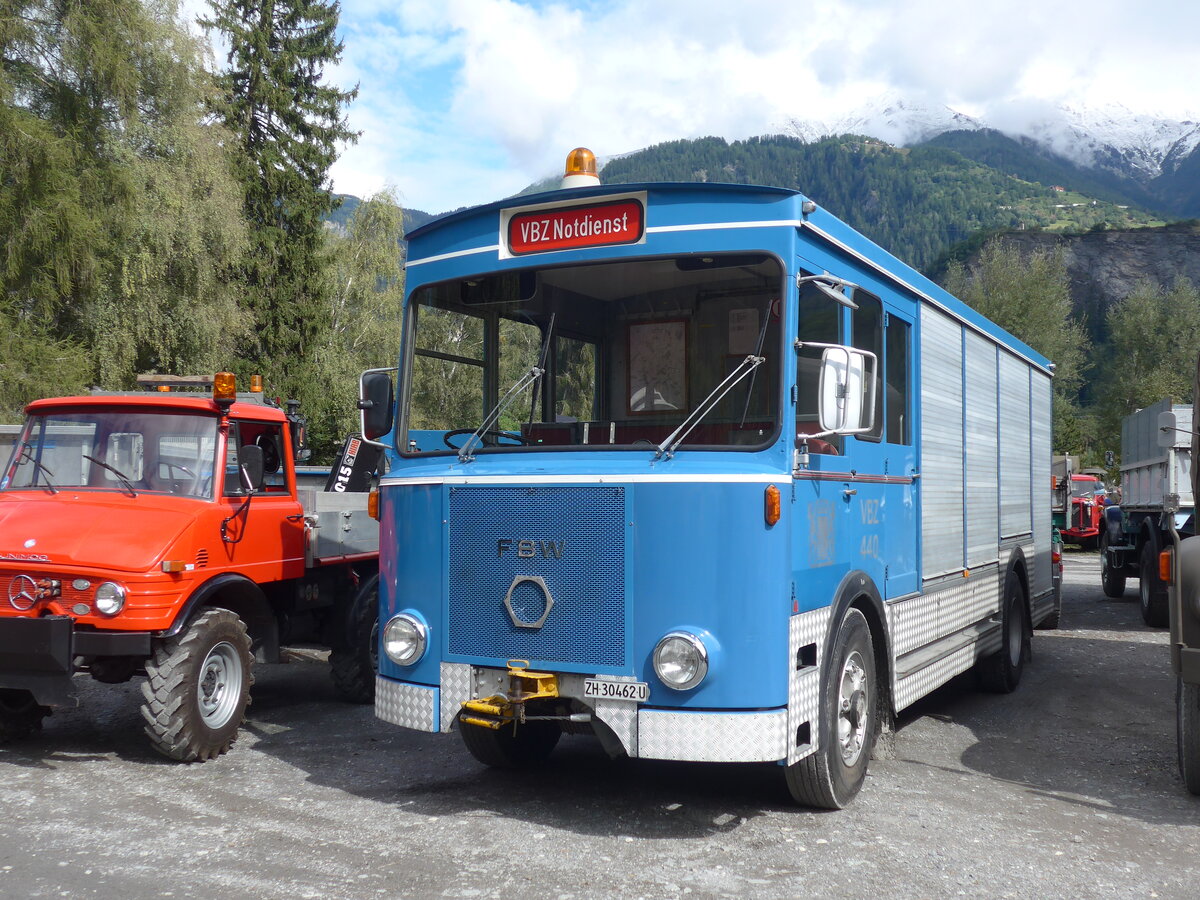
{"x": 263, "y": 530}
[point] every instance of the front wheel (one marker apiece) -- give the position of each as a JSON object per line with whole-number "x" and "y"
{"x": 833, "y": 775}
{"x": 197, "y": 688}
{"x": 1111, "y": 579}
{"x": 506, "y": 748}
{"x": 20, "y": 715}
{"x": 1152, "y": 593}
{"x": 1187, "y": 712}
{"x": 1001, "y": 672}
{"x": 354, "y": 659}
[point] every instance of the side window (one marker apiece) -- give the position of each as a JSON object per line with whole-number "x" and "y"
{"x": 268, "y": 437}
{"x": 868, "y": 335}
{"x": 820, "y": 321}
{"x": 447, "y": 371}
{"x": 125, "y": 452}
{"x": 897, "y": 369}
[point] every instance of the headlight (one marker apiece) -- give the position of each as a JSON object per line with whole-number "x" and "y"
{"x": 404, "y": 639}
{"x": 680, "y": 660}
{"x": 110, "y": 598}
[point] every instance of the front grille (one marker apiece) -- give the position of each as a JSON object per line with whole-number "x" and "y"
{"x": 574, "y": 545}
{"x": 69, "y": 597}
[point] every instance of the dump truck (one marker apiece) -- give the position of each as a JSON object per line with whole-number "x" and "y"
{"x": 170, "y": 536}
{"x": 1156, "y": 496}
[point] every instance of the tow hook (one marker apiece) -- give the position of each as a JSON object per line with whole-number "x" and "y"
{"x": 509, "y": 708}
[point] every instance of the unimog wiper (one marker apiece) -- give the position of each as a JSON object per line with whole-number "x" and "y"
{"x": 121, "y": 475}
{"x": 27, "y": 456}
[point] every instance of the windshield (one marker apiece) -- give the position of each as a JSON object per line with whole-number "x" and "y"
{"x": 1085, "y": 489}
{"x": 110, "y": 449}
{"x": 629, "y": 350}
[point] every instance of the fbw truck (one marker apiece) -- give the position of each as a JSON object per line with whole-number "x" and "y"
{"x": 701, "y": 471}
{"x": 170, "y": 537}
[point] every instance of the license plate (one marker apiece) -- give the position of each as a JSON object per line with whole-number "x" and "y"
{"x": 599, "y": 689}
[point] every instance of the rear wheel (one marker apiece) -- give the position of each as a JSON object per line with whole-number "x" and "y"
{"x": 1152, "y": 593}
{"x": 197, "y": 688}
{"x": 1112, "y": 580}
{"x": 1187, "y": 710}
{"x": 833, "y": 775}
{"x": 506, "y": 748}
{"x": 20, "y": 715}
{"x": 353, "y": 664}
{"x": 1001, "y": 672}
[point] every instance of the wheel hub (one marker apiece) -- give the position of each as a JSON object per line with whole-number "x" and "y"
{"x": 220, "y": 685}
{"x": 853, "y": 701}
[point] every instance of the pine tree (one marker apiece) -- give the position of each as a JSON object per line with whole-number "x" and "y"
{"x": 287, "y": 126}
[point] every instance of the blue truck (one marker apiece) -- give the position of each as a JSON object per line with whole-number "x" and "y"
{"x": 701, "y": 471}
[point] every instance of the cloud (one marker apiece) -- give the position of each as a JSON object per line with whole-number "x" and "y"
{"x": 465, "y": 101}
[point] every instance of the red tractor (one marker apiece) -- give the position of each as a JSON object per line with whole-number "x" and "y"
{"x": 1088, "y": 499}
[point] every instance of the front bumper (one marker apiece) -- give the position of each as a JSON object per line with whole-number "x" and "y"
{"x": 698, "y": 736}
{"x": 38, "y": 655}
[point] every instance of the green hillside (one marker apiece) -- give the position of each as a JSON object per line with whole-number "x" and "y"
{"x": 916, "y": 202}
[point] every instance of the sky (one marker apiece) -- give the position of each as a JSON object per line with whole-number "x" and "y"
{"x": 468, "y": 101}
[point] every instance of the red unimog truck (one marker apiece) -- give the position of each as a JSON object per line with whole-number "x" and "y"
{"x": 170, "y": 536}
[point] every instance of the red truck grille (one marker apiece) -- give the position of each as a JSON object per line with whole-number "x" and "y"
{"x": 34, "y": 591}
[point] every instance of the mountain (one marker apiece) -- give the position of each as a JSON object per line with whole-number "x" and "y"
{"x": 339, "y": 219}
{"x": 1151, "y": 160}
{"x": 915, "y": 201}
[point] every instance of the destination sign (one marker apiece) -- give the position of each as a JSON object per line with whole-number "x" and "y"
{"x": 573, "y": 227}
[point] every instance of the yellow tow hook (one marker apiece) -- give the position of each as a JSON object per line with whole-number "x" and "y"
{"x": 509, "y": 708}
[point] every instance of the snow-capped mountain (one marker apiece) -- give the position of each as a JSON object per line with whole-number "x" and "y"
{"x": 890, "y": 119}
{"x": 1111, "y": 138}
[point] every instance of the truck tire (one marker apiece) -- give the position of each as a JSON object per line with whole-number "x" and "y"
{"x": 20, "y": 715}
{"x": 1000, "y": 673}
{"x": 197, "y": 688}
{"x": 832, "y": 776}
{"x": 1111, "y": 580}
{"x": 504, "y": 748}
{"x": 1187, "y": 711}
{"x": 1152, "y": 593}
{"x": 353, "y": 663}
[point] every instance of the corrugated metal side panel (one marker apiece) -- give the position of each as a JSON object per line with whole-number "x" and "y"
{"x": 941, "y": 444}
{"x": 1042, "y": 406}
{"x": 983, "y": 490}
{"x": 1015, "y": 459}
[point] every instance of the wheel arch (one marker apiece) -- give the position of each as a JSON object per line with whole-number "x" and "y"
{"x": 245, "y": 599}
{"x": 1018, "y": 566}
{"x": 858, "y": 590}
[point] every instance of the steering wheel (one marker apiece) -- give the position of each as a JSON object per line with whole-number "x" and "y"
{"x": 490, "y": 438}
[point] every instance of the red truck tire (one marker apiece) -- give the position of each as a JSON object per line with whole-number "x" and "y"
{"x": 197, "y": 688}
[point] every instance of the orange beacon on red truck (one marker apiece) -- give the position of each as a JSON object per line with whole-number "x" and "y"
{"x": 169, "y": 536}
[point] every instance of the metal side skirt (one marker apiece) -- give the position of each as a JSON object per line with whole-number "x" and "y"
{"x": 713, "y": 736}
{"x": 407, "y": 705}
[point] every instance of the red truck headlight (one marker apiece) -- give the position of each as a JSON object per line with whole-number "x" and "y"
{"x": 110, "y": 598}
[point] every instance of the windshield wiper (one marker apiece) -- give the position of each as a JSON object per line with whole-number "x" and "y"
{"x": 676, "y": 437}
{"x": 125, "y": 481}
{"x": 534, "y": 373}
{"x": 27, "y": 456}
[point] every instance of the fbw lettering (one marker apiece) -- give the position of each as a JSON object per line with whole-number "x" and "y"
{"x": 530, "y": 549}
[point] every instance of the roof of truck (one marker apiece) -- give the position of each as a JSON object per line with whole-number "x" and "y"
{"x": 197, "y": 403}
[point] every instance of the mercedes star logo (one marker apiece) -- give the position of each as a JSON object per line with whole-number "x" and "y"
{"x": 22, "y": 592}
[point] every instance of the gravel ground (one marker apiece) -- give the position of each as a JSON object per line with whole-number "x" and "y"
{"x": 1066, "y": 788}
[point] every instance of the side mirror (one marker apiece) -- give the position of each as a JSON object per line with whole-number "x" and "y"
{"x": 375, "y": 401}
{"x": 250, "y": 467}
{"x": 1168, "y": 429}
{"x": 847, "y": 390}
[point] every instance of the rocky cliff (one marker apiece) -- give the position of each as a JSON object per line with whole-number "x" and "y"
{"x": 1105, "y": 266}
